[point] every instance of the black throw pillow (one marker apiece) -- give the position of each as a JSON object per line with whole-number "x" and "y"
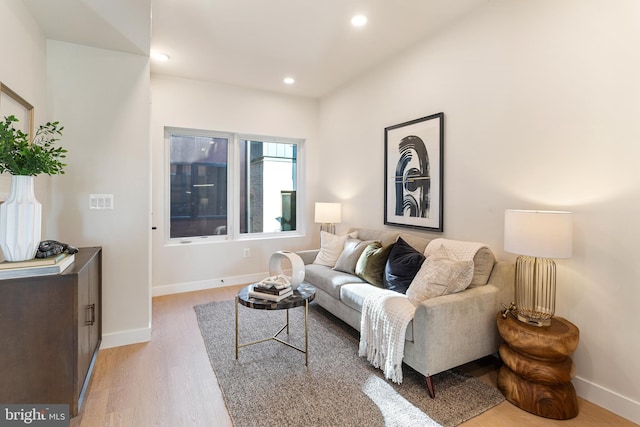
{"x": 402, "y": 266}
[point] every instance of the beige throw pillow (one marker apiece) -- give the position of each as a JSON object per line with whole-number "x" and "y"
{"x": 331, "y": 247}
{"x": 347, "y": 260}
{"x": 440, "y": 274}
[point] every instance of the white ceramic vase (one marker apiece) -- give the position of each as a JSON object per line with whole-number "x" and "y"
{"x": 20, "y": 220}
{"x": 297, "y": 267}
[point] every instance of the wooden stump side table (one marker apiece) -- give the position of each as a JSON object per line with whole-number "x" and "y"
{"x": 537, "y": 371}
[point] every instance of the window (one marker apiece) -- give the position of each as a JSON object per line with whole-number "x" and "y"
{"x": 268, "y": 186}
{"x": 231, "y": 186}
{"x": 198, "y": 185}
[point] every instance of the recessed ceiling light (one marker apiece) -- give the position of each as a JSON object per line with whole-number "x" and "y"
{"x": 159, "y": 56}
{"x": 289, "y": 80}
{"x": 358, "y": 20}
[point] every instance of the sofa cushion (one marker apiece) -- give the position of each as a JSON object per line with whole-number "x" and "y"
{"x": 441, "y": 274}
{"x": 347, "y": 260}
{"x": 418, "y": 243}
{"x": 402, "y": 265}
{"x": 371, "y": 264}
{"x": 331, "y": 247}
{"x": 354, "y": 294}
{"x": 383, "y": 237}
{"x": 328, "y": 279}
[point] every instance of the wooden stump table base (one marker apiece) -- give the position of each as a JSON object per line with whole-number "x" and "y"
{"x": 550, "y": 401}
{"x": 537, "y": 371}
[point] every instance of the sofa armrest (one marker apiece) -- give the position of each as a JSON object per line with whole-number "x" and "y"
{"x": 473, "y": 301}
{"x": 308, "y": 256}
{"x": 454, "y": 329}
{"x": 503, "y": 276}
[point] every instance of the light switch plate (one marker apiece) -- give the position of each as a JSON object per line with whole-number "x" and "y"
{"x": 101, "y": 201}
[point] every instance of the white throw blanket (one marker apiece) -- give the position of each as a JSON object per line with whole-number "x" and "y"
{"x": 383, "y": 324}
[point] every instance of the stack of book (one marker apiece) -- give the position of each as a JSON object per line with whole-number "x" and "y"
{"x": 36, "y": 267}
{"x": 268, "y": 292}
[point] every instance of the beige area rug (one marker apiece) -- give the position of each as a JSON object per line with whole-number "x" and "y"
{"x": 269, "y": 384}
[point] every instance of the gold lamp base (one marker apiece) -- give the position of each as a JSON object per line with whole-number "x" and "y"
{"x": 328, "y": 227}
{"x": 535, "y": 290}
{"x": 530, "y": 320}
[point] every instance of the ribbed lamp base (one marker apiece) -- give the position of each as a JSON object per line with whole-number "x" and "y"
{"x": 535, "y": 290}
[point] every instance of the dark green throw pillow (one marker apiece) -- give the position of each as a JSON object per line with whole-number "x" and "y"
{"x": 402, "y": 266}
{"x": 370, "y": 265}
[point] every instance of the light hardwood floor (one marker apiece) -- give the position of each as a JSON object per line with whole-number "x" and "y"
{"x": 169, "y": 382}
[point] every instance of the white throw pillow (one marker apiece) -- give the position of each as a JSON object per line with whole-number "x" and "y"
{"x": 440, "y": 274}
{"x": 331, "y": 247}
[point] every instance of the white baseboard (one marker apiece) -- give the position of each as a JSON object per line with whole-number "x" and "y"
{"x": 117, "y": 339}
{"x": 200, "y": 285}
{"x": 608, "y": 399}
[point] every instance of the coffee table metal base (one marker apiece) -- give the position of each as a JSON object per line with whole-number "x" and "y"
{"x": 305, "y": 351}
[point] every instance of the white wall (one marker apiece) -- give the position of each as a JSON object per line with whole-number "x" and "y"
{"x": 23, "y": 69}
{"x": 102, "y": 98}
{"x": 192, "y": 104}
{"x": 542, "y": 105}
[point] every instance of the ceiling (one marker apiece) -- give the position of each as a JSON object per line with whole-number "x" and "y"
{"x": 253, "y": 43}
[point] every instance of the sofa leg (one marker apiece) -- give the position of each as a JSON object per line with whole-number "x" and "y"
{"x": 430, "y": 389}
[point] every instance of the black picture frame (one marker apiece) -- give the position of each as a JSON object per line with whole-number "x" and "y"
{"x": 414, "y": 173}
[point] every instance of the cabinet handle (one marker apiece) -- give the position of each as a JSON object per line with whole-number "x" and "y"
{"x": 92, "y": 315}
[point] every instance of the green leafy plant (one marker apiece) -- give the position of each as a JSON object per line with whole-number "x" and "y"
{"x": 19, "y": 156}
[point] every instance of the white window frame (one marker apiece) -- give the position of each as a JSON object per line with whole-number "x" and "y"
{"x": 233, "y": 187}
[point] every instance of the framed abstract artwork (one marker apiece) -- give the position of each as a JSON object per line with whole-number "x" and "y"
{"x": 413, "y": 173}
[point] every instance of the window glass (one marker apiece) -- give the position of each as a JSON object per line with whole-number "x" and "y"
{"x": 198, "y": 185}
{"x": 268, "y": 185}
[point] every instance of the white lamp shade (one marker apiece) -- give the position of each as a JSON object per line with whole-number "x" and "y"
{"x": 544, "y": 234}
{"x": 328, "y": 213}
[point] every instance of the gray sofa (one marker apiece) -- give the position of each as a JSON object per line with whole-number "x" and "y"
{"x": 446, "y": 331}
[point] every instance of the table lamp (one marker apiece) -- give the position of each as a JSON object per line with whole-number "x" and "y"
{"x": 537, "y": 236}
{"x": 328, "y": 214}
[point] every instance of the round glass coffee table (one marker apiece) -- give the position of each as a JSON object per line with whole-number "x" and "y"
{"x": 302, "y": 296}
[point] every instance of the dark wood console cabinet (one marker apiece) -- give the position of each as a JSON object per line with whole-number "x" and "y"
{"x": 50, "y": 333}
